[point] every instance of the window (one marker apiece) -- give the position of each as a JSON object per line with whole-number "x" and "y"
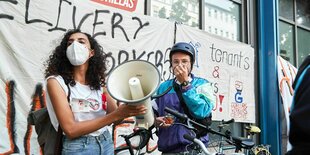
{"x": 227, "y": 18}
{"x": 177, "y": 10}
{"x": 303, "y": 45}
{"x": 286, "y": 41}
{"x": 294, "y": 30}
{"x": 209, "y": 12}
{"x": 215, "y": 14}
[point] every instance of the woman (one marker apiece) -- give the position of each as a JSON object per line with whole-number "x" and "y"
{"x": 77, "y": 68}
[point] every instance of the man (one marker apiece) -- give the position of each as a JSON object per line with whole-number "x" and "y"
{"x": 197, "y": 94}
{"x": 299, "y": 135}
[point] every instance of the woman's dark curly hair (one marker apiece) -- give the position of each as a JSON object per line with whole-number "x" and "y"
{"x": 59, "y": 64}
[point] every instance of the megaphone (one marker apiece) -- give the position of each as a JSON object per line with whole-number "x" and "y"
{"x": 134, "y": 82}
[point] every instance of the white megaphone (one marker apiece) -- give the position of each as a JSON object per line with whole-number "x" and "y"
{"x": 134, "y": 82}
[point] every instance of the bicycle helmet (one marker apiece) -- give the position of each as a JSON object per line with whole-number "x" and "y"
{"x": 184, "y": 48}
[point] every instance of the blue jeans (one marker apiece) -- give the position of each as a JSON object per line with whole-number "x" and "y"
{"x": 89, "y": 145}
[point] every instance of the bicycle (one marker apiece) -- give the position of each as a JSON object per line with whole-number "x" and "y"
{"x": 220, "y": 146}
{"x": 260, "y": 149}
{"x": 144, "y": 136}
{"x": 238, "y": 142}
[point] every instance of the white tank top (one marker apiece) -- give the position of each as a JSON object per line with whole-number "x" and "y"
{"x": 86, "y": 104}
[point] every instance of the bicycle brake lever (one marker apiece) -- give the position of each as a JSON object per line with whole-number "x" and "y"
{"x": 190, "y": 126}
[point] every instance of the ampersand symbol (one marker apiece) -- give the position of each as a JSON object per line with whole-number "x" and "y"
{"x": 216, "y": 73}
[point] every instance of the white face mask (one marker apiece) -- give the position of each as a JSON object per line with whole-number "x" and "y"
{"x": 77, "y": 53}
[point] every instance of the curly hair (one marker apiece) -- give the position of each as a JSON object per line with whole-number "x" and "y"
{"x": 59, "y": 64}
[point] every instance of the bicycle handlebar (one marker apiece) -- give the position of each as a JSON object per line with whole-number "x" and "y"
{"x": 229, "y": 121}
{"x": 239, "y": 142}
{"x": 198, "y": 142}
{"x": 177, "y": 114}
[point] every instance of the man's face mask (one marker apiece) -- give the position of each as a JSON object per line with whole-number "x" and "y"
{"x": 77, "y": 53}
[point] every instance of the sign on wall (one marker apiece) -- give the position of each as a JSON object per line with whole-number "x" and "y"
{"x": 229, "y": 66}
{"x": 30, "y": 29}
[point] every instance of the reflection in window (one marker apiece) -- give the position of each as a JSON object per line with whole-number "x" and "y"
{"x": 229, "y": 20}
{"x": 295, "y": 17}
{"x": 303, "y": 37}
{"x": 303, "y": 12}
{"x": 286, "y": 9}
{"x": 177, "y": 10}
{"x": 286, "y": 42}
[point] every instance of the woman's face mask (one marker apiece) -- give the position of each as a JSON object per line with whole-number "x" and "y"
{"x": 77, "y": 53}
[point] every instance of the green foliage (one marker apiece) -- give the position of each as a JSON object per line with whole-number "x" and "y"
{"x": 162, "y": 13}
{"x": 178, "y": 12}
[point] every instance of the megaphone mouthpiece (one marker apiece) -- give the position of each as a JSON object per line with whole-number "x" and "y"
{"x": 135, "y": 88}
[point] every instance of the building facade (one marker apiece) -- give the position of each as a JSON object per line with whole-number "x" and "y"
{"x": 272, "y": 28}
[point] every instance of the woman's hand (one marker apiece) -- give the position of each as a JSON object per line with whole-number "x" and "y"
{"x": 126, "y": 110}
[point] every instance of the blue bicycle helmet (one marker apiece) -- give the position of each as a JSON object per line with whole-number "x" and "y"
{"x": 184, "y": 48}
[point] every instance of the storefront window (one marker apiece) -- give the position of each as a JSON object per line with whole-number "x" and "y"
{"x": 294, "y": 45}
{"x": 231, "y": 12}
{"x": 303, "y": 13}
{"x": 286, "y": 35}
{"x": 303, "y": 44}
{"x": 286, "y": 9}
{"x": 183, "y": 11}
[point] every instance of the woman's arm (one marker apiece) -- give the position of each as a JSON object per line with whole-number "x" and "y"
{"x": 111, "y": 103}
{"x": 75, "y": 129}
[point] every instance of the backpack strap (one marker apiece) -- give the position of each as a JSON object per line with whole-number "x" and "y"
{"x": 177, "y": 89}
{"x": 205, "y": 121}
{"x": 58, "y": 145}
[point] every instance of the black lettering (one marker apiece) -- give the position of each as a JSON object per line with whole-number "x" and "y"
{"x": 230, "y": 59}
{"x": 158, "y": 63}
{"x": 59, "y": 12}
{"x": 6, "y": 15}
{"x": 115, "y": 24}
{"x": 212, "y": 48}
{"x": 142, "y": 54}
{"x": 219, "y": 54}
{"x": 122, "y": 52}
{"x": 98, "y": 23}
{"x": 246, "y": 66}
{"x": 81, "y": 21}
{"x": 240, "y": 58}
{"x": 167, "y": 61}
{"x": 216, "y": 89}
{"x": 149, "y": 55}
{"x": 140, "y": 26}
{"x": 27, "y": 21}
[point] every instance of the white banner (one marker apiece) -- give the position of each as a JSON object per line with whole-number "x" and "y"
{"x": 229, "y": 66}
{"x": 30, "y": 29}
{"x": 286, "y": 76}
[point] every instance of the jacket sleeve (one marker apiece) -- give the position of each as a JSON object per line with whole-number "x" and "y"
{"x": 199, "y": 100}
{"x": 300, "y": 112}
